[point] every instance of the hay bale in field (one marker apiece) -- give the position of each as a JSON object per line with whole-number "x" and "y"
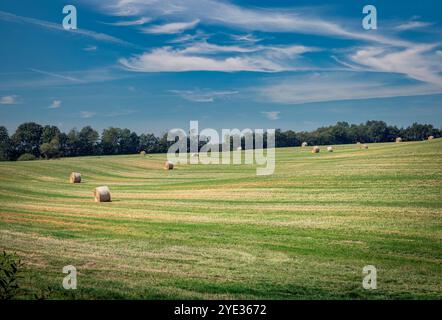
{"x": 168, "y": 165}
{"x": 75, "y": 177}
{"x": 304, "y": 144}
{"x": 430, "y": 138}
{"x": 398, "y": 140}
{"x": 143, "y": 153}
{"x": 316, "y": 149}
{"x": 239, "y": 149}
{"x": 330, "y": 149}
{"x": 364, "y": 146}
{"x": 102, "y": 194}
{"x": 194, "y": 155}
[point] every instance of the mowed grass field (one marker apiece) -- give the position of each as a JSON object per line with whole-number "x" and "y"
{"x": 221, "y": 232}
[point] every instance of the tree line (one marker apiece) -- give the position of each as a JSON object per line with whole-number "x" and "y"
{"x": 31, "y": 140}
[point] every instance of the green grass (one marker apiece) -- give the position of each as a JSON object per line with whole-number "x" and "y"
{"x": 221, "y": 232}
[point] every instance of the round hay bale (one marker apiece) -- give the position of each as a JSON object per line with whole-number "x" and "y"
{"x": 398, "y": 140}
{"x": 316, "y": 149}
{"x": 168, "y": 165}
{"x": 330, "y": 149}
{"x": 193, "y": 155}
{"x": 430, "y": 138}
{"x": 304, "y": 144}
{"x": 239, "y": 148}
{"x": 102, "y": 194}
{"x": 75, "y": 177}
{"x": 143, "y": 153}
{"x": 364, "y": 146}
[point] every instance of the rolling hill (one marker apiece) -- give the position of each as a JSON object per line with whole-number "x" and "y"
{"x": 221, "y": 232}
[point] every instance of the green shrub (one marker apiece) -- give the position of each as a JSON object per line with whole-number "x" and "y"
{"x": 44, "y": 293}
{"x": 10, "y": 266}
{"x": 27, "y": 157}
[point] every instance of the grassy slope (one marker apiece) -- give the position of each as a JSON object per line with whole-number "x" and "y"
{"x": 223, "y": 232}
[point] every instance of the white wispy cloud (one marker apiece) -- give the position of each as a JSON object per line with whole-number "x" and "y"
{"x": 245, "y": 54}
{"x": 42, "y": 78}
{"x": 120, "y": 113}
{"x": 201, "y": 57}
{"x": 189, "y": 38}
{"x": 10, "y": 17}
{"x": 271, "y": 115}
{"x": 87, "y": 114}
{"x": 246, "y": 38}
{"x": 338, "y": 86}
{"x": 211, "y": 12}
{"x": 384, "y": 52}
{"x": 414, "y": 24}
{"x": 90, "y": 48}
{"x": 171, "y": 28}
{"x": 198, "y": 95}
{"x": 55, "y": 104}
{"x": 56, "y": 75}
{"x": 12, "y": 99}
{"x": 126, "y": 23}
{"x": 203, "y": 47}
{"x": 418, "y": 62}
{"x": 168, "y": 60}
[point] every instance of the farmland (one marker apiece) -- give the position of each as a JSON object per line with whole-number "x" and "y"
{"x": 222, "y": 232}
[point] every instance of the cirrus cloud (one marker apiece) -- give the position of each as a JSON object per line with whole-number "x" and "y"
{"x": 271, "y": 115}
{"x": 202, "y": 57}
{"x": 87, "y": 114}
{"x": 198, "y": 95}
{"x": 168, "y": 60}
{"x": 418, "y": 62}
{"x": 171, "y": 28}
{"x": 339, "y": 86}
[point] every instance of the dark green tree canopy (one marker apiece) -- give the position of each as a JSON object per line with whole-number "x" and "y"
{"x": 49, "y": 142}
{"x": 27, "y": 138}
{"x": 5, "y": 144}
{"x": 49, "y": 133}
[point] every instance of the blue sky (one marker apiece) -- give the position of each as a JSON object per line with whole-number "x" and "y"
{"x": 152, "y": 65}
